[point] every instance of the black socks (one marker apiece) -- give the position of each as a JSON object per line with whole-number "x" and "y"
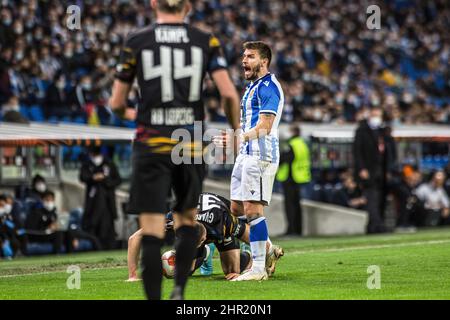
{"x": 152, "y": 266}
{"x": 186, "y": 248}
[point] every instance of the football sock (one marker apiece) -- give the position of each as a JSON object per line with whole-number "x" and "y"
{"x": 152, "y": 266}
{"x": 258, "y": 238}
{"x": 269, "y": 244}
{"x": 185, "y": 247}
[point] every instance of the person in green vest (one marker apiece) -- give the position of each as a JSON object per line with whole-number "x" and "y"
{"x": 294, "y": 171}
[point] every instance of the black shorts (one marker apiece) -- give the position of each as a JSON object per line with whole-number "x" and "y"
{"x": 153, "y": 178}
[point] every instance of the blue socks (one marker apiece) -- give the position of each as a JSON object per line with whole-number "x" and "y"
{"x": 258, "y": 238}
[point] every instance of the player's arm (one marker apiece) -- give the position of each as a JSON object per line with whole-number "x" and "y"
{"x": 125, "y": 74}
{"x": 229, "y": 95}
{"x": 118, "y": 100}
{"x": 262, "y": 128}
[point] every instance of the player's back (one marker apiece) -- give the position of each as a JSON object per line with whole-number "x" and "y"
{"x": 170, "y": 62}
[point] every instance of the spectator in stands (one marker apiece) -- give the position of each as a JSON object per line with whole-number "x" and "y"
{"x": 57, "y": 100}
{"x": 10, "y": 244}
{"x": 16, "y": 210}
{"x": 38, "y": 188}
{"x": 350, "y": 195}
{"x": 342, "y": 68}
{"x": 11, "y": 111}
{"x": 101, "y": 178}
{"x": 41, "y": 224}
{"x": 294, "y": 171}
{"x": 371, "y": 155}
{"x": 436, "y": 201}
{"x": 408, "y": 205}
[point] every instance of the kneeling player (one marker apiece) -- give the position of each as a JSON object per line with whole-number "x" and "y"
{"x": 224, "y": 230}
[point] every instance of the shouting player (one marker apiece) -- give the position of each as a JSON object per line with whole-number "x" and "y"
{"x": 257, "y": 163}
{"x": 170, "y": 60}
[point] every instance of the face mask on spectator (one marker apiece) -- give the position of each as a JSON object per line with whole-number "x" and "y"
{"x": 97, "y": 160}
{"x": 30, "y": 23}
{"x": 8, "y": 208}
{"x": 18, "y": 29}
{"x": 375, "y": 122}
{"x": 61, "y": 84}
{"x": 40, "y": 187}
{"x": 19, "y": 55}
{"x": 68, "y": 53}
{"x": 2, "y": 211}
{"x": 86, "y": 86}
{"x": 7, "y": 22}
{"x": 49, "y": 205}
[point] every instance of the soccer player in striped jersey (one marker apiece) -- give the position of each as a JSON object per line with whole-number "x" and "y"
{"x": 257, "y": 163}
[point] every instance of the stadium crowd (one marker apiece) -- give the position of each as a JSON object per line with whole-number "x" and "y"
{"x": 332, "y": 67}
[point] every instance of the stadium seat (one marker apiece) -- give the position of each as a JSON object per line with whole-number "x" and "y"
{"x": 76, "y": 152}
{"x": 129, "y": 124}
{"x": 24, "y": 111}
{"x": 53, "y": 119}
{"x": 36, "y": 114}
{"x": 66, "y": 119}
{"x": 79, "y": 119}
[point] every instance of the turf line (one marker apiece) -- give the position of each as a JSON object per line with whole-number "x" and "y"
{"x": 380, "y": 246}
{"x": 297, "y": 252}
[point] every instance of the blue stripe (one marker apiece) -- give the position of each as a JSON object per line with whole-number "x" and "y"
{"x": 259, "y": 232}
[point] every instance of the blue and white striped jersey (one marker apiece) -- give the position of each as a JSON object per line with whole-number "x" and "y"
{"x": 262, "y": 96}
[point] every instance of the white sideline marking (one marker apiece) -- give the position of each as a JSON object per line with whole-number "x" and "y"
{"x": 380, "y": 246}
{"x": 298, "y": 252}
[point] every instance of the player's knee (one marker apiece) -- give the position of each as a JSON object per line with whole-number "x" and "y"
{"x": 236, "y": 209}
{"x": 253, "y": 209}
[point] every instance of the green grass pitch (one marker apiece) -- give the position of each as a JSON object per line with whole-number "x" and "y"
{"x": 412, "y": 266}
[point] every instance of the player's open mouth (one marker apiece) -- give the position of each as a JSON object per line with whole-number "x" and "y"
{"x": 247, "y": 69}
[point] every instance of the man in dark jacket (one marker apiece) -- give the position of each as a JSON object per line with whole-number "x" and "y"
{"x": 41, "y": 224}
{"x": 373, "y": 158}
{"x": 101, "y": 178}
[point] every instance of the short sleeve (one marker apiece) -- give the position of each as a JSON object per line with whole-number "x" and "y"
{"x": 217, "y": 60}
{"x": 126, "y": 68}
{"x": 269, "y": 96}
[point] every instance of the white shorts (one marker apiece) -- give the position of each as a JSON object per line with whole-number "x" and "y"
{"x": 252, "y": 179}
